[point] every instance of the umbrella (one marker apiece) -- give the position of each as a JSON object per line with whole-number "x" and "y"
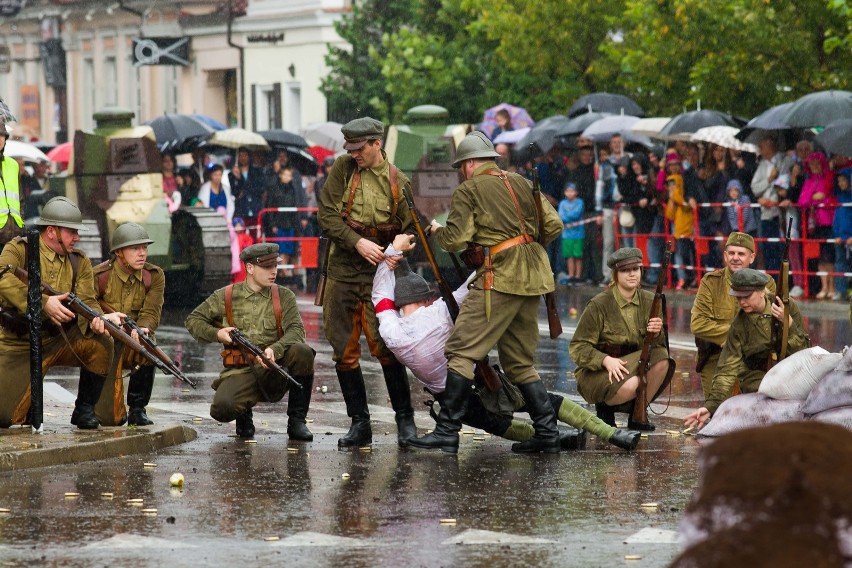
{"x": 650, "y": 126}
{"x": 278, "y": 137}
{"x": 769, "y": 120}
{"x": 520, "y": 118}
{"x": 209, "y": 121}
{"x": 511, "y": 136}
{"x": 604, "y": 129}
{"x": 684, "y": 124}
{"x": 238, "y": 138}
{"x": 837, "y": 137}
{"x": 722, "y": 136}
{"x": 28, "y": 152}
{"x": 6, "y": 113}
{"x": 302, "y": 160}
{"x": 319, "y": 153}
{"x": 537, "y": 141}
{"x": 178, "y": 133}
{"x": 325, "y": 134}
{"x": 605, "y": 102}
{"x": 61, "y": 153}
{"x": 576, "y": 125}
{"x": 819, "y": 109}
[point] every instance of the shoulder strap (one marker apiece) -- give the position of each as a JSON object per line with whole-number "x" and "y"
{"x": 146, "y": 279}
{"x": 353, "y": 185}
{"x": 502, "y": 175}
{"x": 75, "y": 261}
{"x": 276, "y": 308}
{"x": 229, "y": 312}
{"x": 101, "y": 272}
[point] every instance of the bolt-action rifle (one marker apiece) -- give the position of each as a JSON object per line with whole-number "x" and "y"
{"x": 250, "y": 350}
{"x": 553, "y": 321}
{"x": 781, "y": 329}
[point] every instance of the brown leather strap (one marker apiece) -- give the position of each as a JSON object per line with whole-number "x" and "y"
{"x": 229, "y": 312}
{"x": 276, "y": 308}
{"x": 75, "y": 261}
{"x": 356, "y": 181}
{"x": 502, "y": 175}
{"x": 509, "y": 243}
{"x": 103, "y": 278}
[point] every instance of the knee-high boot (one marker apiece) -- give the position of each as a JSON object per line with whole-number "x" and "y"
{"x": 396, "y": 379}
{"x": 355, "y": 395}
{"x": 546, "y": 438}
{"x": 139, "y": 389}
{"x": 88, "y": 393}
{"x": 445, "y": 437}
{"x": 297, "y": 409}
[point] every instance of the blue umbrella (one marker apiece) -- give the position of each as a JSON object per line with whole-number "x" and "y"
{"x": 209, "y": 121}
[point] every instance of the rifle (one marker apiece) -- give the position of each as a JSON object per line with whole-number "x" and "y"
{"x": 248, "y": 348}
{"x": 326, "y": 251}
{"x": 553, "y": 321}
{"x": 640, "y": 407}
{"x": 172, "y": 368}
{"x": 482, "y": 369}
{"x": 781, "y": 329}
{"x": 79, "y": 307}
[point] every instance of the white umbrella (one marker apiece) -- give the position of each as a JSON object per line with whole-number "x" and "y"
{"x": 649, "y": 126}
{"x": 28, "y": 152}
{"x": 722, "y": 136}
{"x": 602, "y": 130}
{"x": 238, "y": 138}
{"x": 511, "y": 136}
{"x": 325, "y": 134}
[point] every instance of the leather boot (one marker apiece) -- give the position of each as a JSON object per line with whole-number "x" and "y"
{"x": 355, "y": 395}
{"x": 88, "y": 393}
{"x": 571, "y": 438}
{"x": 605, "y": 412}
{"x": 445, "y": 437}
{"x": 396, "y": 379}
{"x": 245, "y": 424}
{"x": 546, "y": 438}
{"x": 625, "y": 439}
{"x": 641, "y": 426}
{"x": 139, "y": 389}
{"x": 297, "y": 409}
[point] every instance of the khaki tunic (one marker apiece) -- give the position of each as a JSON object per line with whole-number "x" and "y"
{"x": 236, "y": 388}
{"x": 610, "y": 319}
{"x": 746, "y": 351}
{"x": 482, "y": 211}
{"x": 712, "y": 313}
{"x": 95, "y": 351}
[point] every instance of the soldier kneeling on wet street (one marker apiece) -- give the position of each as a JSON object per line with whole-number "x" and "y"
{"x": 268, "y": 315}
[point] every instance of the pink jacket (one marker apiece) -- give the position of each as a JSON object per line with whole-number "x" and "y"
{"x": 824, "y": 216}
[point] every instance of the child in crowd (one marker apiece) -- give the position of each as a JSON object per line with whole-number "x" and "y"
{"x": 571, "y": 211}
{"x": 737, "y": 197}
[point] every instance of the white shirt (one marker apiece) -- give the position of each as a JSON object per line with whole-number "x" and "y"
{"x": 417, "y": 340}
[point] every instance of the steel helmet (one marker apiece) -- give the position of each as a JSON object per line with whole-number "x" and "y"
{"x": 61, "y": 212}
{"x": 129, "y": 234}
{"x": 475, "y": 145}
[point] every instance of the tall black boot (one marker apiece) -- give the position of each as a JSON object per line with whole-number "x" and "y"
{"x": 88, "y": 393}
{"x": 546, "y": 438}
{"x": 634, "y": 425}
{"x": 245, "y": 424}
{"x": 445, "y": 437}
{"x": 297, "y": 409}
{"x": 396, "y": 379}
{"x": 355, "y": 396}
{"x": 605, "y": 412}
{"x": 139, "y": 389}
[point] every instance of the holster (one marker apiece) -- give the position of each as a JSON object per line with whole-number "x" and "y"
{"x": 488, "y": 271}
{"x": 758, "y": 361}
{"x": 473, "y": 256}
{"x": 706, "y": 349}
{"x": 615, "y": 350}
{"x": 384, "y": 233}
{"x": 233, "y": 358}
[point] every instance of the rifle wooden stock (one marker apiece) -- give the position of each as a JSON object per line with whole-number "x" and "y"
{"x": 554, "y": 324}
{"x": 482, "y": 369}
{"x": 781, "y": 329}
{"x": 640, "y": 407}
{"x": 320, "y": 295}
{"x": 244, "y": 344}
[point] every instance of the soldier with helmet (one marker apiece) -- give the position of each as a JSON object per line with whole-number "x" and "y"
{"x": 128, "y": 283}
{"x": 78, "y": 342}
{"x": 496, "y": 210}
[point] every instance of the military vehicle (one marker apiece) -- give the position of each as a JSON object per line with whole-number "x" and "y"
{"x": 115, "y": 176}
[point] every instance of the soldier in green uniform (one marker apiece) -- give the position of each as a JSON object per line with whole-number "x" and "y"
{"x": 748, "y": 347}
{"x": 361, "y": 210}
{"x": 496, "y": 210}
{"x": 608, "y": 343}
{"x": 66, "y": 269}
{"x": 273, "y": 324}
{"x": 714, "y": 308}
{"x": 129, "y": 284}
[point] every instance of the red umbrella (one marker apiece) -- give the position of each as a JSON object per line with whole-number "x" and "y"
{"x": 61, "y": 153}
{"x": 320, "y": 153}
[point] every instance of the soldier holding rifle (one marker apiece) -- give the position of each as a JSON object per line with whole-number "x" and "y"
{"x": 69, "y": 340}
{"x": 268, "y": 315}
{"x": 494, "y": 214}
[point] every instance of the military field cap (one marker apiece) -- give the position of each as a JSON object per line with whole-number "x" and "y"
{"x": 740, "y": 240}
{"x": 264, "y": 255}
{"x": 746, "y": 281}
{"x": 361, "y": 130}
{"x": 625, "y": 258}
{"x": 410, "y": 287}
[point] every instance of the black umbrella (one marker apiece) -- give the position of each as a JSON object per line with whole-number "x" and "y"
{"x": 278, "y": 137}
{"x": 578, "y": 124}
{"x": 771, "y": 122}
{"x": 605, "y": 102}
{"x": 178, "y": 133}
{"x": 301, "y": 159}
{"x": 837, "y": 137}
{"x": 819, "y": 109}
{"x": 538, "y": 141}
{"x": 684, "y": 124}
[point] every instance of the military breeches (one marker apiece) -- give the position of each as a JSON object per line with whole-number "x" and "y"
{"x": 110, "y": 409}
{"x": 594, "y": 386}
{"x": 94, "y": 352}
{"x": 707, "y": 372}
{"x": 513, "y": 327}
{"x": 237, "y": 390}
{"x": 347, "y": 311}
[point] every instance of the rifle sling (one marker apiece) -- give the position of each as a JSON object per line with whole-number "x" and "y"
{"x": 276, "y": 308}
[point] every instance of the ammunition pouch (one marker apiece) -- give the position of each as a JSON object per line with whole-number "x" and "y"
{"x": 706, "y": 349}
{"x": 473, "y": 256}
{"x": 619, "y": 351}
{"x": 758, "y": 361}
{"x": 233, "y": 359}
{"x": 384, "y": 233}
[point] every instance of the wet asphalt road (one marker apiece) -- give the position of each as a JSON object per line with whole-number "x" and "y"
{"x": 382, "y": 507}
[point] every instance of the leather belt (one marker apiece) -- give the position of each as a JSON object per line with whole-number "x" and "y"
{"x": 514, "y": 241}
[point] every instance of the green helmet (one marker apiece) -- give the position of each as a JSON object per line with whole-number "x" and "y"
{"x": 475, "y": 145}
{"x": 129, "y": 234}
{"x": 61, "y": 212}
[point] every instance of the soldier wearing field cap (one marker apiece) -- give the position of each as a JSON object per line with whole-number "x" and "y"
{"x": 748, "y": 346}
{"x": 268, "y": 315}
{"x": 714, "y": 308}
{"x": 608, "y": 343}
{"x": 128, "y": 283}
{"x": 361, "y": 210}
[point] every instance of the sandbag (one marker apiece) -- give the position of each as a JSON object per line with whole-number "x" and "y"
{"x": 840, "y": 416}
{"x": 750, "y": 410}
{"x": 794, "y": 377}
{"x": 846, "y": 363}
{"x": 833, "y": 391}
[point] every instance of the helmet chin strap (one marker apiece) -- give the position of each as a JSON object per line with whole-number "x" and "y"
{"x": 60, "y": 241}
